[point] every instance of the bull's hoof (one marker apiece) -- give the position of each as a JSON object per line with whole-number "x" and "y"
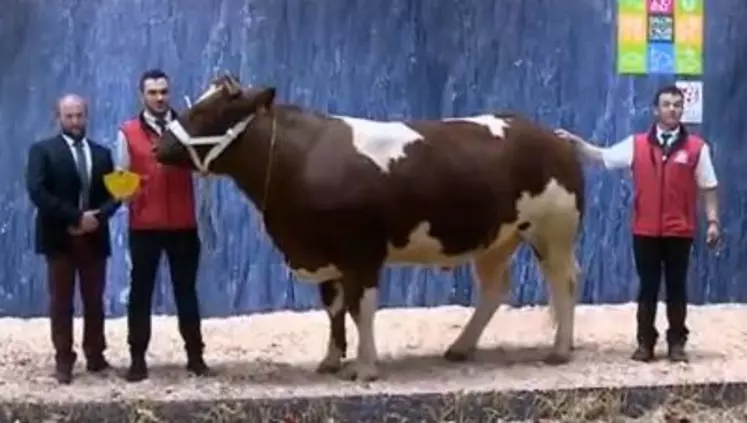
{"x": 329, "y": 367}
{"x": 457, "y": 356}
{"x": 556, "y": 358}
{"x": 359, "y": 372}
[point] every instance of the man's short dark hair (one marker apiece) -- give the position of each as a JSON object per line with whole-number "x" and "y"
{"x": 154, "y": 73}
{"x": 668, "y": 89}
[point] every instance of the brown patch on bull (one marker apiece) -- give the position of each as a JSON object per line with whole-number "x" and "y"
{"x": 347, "y": 196}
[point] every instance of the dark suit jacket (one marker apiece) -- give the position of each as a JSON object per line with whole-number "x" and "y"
{"x": 54, "y": 187}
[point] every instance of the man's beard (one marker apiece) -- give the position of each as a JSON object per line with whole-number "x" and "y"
{"x": 76, "y": 136}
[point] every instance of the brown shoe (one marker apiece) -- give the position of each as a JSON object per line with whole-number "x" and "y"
{"x": 677, "y": 354}
{"x": 643, "y": 353}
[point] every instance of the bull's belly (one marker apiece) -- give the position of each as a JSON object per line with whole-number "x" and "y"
{"x": 421, "y": 250}
{"x": 316, "y": 276}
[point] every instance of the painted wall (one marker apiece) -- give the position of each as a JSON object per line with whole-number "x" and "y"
{"x": 552, "y": 60}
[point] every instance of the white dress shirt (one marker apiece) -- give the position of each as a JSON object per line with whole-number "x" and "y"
{"x": 620, "y": 156}
{"x": 122, "y": 153}
{"x": 86, "y": 151}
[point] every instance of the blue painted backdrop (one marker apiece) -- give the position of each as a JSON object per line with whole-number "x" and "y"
{"x": 553, "y": 60}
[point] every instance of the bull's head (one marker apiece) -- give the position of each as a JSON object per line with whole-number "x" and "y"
{"x": 201, "y": 136}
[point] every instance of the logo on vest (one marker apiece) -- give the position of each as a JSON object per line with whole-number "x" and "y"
{"x": 680, "y": 157}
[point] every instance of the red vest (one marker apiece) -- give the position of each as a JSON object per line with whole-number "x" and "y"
{"x": 165, "y": 199}
{"x": 665, "y": 190}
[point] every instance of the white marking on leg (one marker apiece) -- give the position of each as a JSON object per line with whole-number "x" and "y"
{"x": 493, "y": 279}
{"x": 333, "y": 359}
{"x": 497, "y": 126}
{"x": 365, "y": 367}
{"x": 382, "y": 142}
{"x": 318, "y": 275}
{"x": 492, "y": 294}
{"x": 560, "y": 273}
{"x": 554, "y": 221}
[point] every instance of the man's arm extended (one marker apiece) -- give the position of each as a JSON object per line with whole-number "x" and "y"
{"x": 617, "y": 156}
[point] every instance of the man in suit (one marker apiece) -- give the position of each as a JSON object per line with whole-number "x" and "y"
{"x": 64, "y": 179}
{"x": 161, "y": 219}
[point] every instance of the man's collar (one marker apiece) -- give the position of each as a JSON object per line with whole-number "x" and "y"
{"x": 150, "y": 117}
{"x": 674, "y": 132}
{"x": 71, "y": 142}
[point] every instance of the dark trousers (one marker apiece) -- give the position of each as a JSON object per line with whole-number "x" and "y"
{"x": 652, "y": 255}
{"x": 90, "y": 265}
{"x": 182, "y": 249}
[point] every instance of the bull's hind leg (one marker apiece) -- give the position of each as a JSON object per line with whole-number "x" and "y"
{"x": 493, "y": 278}
{"x": 332, "y": 295}
{"x": 557, "y": 260}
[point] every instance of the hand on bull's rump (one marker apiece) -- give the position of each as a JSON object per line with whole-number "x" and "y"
{"x": 568, "y": 136}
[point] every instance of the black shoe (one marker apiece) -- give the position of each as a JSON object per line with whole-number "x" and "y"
{"x": 643, "y": 353}
{"x": 98, "y": 364}
{"x": 677, "y": 354}
{"x": 138, "y": 370}
{"x": 197, "y": 366}
{"x": 64, "y": 375}
{"x": 63, "y": 369}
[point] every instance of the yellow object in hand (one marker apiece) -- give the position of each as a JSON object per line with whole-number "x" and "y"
{"x": 122, "y": 183}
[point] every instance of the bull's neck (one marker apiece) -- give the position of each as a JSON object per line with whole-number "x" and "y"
{"x": 261, "y": 166}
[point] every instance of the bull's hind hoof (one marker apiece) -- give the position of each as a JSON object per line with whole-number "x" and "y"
{"x": 457, "y": 356}
{"x": 359, "y": 372}
{"x": 557, "y": 359}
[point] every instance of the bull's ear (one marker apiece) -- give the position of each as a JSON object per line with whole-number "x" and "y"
{"x": 266, "y": 98}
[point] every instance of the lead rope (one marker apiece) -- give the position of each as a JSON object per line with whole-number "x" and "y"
{"x": 210, "y": 234}
{"x": 270, "y": 160}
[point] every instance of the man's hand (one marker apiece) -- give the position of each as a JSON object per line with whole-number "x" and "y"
{"x": 713, "y": 234}
{"x": 89, "y": 222}
{"x": 568, "y": 136}
{"x": 75, "y": 231}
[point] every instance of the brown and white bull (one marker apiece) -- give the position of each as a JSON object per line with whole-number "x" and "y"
{"x": 341, "y": 197}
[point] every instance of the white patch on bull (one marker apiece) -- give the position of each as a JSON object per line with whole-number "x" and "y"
{"x": 497, "y": 126}
{"x": 319, "y": 275}
{"x": 554, "y": 203}
{"x": 382, "y": 142}
{"x": 424, "y": 249}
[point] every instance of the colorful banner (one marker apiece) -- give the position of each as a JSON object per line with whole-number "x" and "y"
{"x": 660, "y": 36}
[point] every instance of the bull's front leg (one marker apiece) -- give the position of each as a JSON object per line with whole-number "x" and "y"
{"x": 332, "y": 295}
{"x": 362, "y": 301}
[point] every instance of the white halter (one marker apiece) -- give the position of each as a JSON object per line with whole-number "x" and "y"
{"x": 219, "y": 142}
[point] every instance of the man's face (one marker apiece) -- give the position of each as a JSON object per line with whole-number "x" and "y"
{"x": 73, "y": 116}
{"x": 156, "y": 95}
{"x": 669, "y": 110}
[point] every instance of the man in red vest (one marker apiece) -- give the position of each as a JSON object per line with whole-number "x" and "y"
{"x": 161, "y": 218}
{"x": 669, "y": 167}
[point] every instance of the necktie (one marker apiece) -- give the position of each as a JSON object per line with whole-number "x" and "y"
{"x": 665, "y": 137}
{"x": 161, "y": 123}
{"x": 82, "y": 165}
